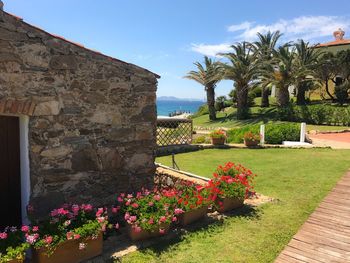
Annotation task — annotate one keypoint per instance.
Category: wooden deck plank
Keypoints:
(325, 236)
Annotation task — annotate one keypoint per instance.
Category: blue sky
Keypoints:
(166, 37)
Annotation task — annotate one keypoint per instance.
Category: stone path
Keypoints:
(325, 236)
(333, 140)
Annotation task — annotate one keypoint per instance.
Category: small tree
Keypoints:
(208, 75)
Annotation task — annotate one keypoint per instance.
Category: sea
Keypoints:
(166, 107)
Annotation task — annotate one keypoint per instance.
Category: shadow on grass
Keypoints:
(212, 223)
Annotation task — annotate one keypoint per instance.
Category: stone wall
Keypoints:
(92, 130)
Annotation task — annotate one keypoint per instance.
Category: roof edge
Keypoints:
(77, 44)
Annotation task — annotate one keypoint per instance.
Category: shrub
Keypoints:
(202, 110)
(341, 92)
(257, 92)
(218, 134)
(274, 133)
(200, 139)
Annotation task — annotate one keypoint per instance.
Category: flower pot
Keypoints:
(218, 141)
(69, 252)
(229, 203)
(146, 234)
(250, 143)
(192, 215)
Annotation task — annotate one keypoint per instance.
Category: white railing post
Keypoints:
(302, 131)
(262, 134)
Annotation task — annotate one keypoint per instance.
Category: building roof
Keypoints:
(339, 39)
(75, 43)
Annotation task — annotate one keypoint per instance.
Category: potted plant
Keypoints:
(230, 186)
(251, 139)
(13, 244)
(148, 214)
(72, 234)
(218, 137)
(192, 202)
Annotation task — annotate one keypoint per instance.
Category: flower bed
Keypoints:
(12, 244)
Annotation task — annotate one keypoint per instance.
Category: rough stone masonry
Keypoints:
(92, 118)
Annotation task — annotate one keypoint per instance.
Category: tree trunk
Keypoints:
(242, 103)
(283, 96)
(301, 94)
(327, 89)
(211, 103)
(265, 97)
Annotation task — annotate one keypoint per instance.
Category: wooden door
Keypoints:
(10, 173)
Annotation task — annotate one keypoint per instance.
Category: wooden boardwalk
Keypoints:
(325, 236)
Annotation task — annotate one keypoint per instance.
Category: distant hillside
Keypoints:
(171, 98)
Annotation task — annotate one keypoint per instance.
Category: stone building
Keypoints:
(75, 125)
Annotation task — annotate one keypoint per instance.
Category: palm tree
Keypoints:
(280, 73)
(242, 69)
(264, 48)
(305, 64)
(207, 75)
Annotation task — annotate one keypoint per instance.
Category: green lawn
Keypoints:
(298, 178)
(228, 119)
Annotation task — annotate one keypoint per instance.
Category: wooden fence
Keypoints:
(174, 131)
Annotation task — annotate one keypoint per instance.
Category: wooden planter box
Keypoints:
(69, 252)
(250, 143)
(16, 261)
(144, 234)
(218, 141)
(229, 203)
(192, 215)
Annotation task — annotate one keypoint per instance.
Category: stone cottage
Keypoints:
(75, 125)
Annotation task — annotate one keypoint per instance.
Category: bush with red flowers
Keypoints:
(148, 210)
(191, 196)
(231, 180)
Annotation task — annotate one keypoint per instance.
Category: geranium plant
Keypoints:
(70, 222)
(13, 243)
(231, 181)
(191, 196)
(148, 210)
(218, 134)
(250, 136)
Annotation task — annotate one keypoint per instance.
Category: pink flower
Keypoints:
(62, 211)
(126, 216)
(116, 226)
(35, 228)
(99, 212)
(151, 221)
(122, 194)
(162, 219)
(82, 246)
(161, 231)
(174, 219)
(48, 239)
(132, 218)
(67, 223)
(156, 197)
(135, 205)
(101, 219)
(69, 235)
(115, 209)
(76, 236)
(129, 196)
(120, 199)
(137, 229)
(25, 229)
(75, 209)
(87, 207)
(3, 235)
(32, 238)
(178, 211)
(150, 203)
(128, 202)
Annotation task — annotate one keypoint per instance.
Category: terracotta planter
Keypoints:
(250, 143)
(144, 234)
(69, 252)
(229, 204)
(16, 261)
(192, 215)
(218, 141)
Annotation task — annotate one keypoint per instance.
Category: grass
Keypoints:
(298, 178)
(227, 119)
